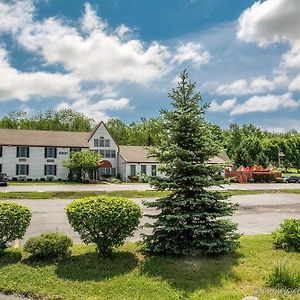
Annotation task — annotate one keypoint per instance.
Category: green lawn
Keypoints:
(126, 193)
(129, 275)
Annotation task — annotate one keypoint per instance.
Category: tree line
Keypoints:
(246, 145)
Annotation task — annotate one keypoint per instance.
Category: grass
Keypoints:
(129, 275)
(125, 193)
(284, 276)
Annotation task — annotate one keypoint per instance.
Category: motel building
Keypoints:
(39, 154)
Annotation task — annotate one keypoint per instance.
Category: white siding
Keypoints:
(126, 169)
(102, 131)
(36, 162)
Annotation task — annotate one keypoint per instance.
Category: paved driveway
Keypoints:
(257, 214)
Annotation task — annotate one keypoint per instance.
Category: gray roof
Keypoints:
(140, 154)
(40, 138)
(136, 154)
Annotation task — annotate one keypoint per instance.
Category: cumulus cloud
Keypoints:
(94, 52)
(23, 85)
(191, 52)
(273, 21)
(266, 103)
(256, 85)
(295, 84)
(225, 106)
(96, 110)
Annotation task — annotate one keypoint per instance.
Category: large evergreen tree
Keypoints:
(191, 219)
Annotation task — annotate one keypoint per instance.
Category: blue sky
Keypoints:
(120, 58)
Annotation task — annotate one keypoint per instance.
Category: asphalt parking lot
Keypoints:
(257, 214)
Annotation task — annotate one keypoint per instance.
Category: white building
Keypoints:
(38, 154)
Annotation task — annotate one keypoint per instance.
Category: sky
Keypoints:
(121, 58)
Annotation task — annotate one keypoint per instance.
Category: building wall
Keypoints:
(102, 132)
(138, 166)
(36, 162)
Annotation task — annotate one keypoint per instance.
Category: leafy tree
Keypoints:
(262, 160)
(253, 147)
(83, 162)
(242, 158)
(63, 120)
(191, 217)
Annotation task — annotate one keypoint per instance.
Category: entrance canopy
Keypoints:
(105, 164)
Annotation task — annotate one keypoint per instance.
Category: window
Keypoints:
(22, 170)
(101, 141)
(96, 143)
(1, 149)
(113, 153)
(75, 149)
(153, 170)
(107, 143)
(108, 171)
(107, 153)
(50, 152)
(22, 151)
(144, 169)
(102, 152)
(132, 170)
(50, 170)
(0, 168)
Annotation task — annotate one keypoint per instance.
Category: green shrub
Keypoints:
(287, 237)
(105, 221)
(284, 277)
(14, 220)
(49, 245)
(115, 180)
(280, 180)
(134, 178)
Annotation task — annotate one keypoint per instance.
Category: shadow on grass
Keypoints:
(89, 266)
(192, 273)
(10, 256)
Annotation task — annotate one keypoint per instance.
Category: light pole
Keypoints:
(280, 156)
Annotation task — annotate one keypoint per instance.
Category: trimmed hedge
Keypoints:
(105, 221)
(287, 237)
(49, 245)
(14, 220)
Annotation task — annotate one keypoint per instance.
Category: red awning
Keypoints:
(105, 164)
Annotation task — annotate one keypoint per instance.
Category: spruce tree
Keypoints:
(191, 219)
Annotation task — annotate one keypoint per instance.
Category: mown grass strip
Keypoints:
(126, 193)
(130, 275)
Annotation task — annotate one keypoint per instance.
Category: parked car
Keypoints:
(292, 179)
(3, 179)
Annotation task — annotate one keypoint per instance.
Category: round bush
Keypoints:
(49, 245)
(105, 221)
(287, 237)
(14, 220)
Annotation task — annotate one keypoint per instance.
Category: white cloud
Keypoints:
(91, 21)
(238, 87)
(266, 103)
(270, 21)
(94, 52)
(191, 52)
(16, 16)
(96, 110)
(256, 85)
(273, 21)
(225, 106)
(23, 85)
(295, 84)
